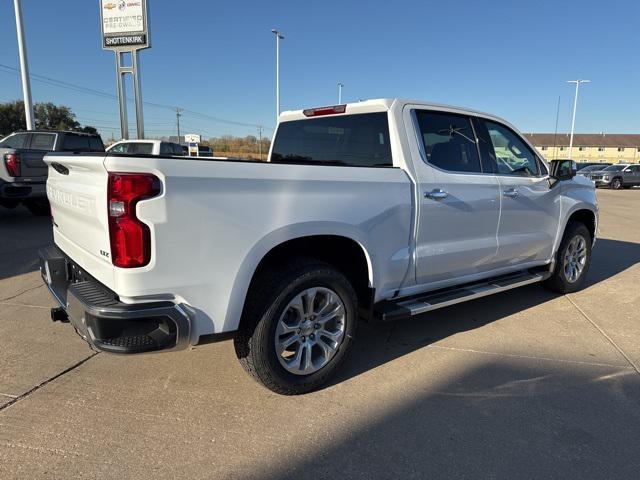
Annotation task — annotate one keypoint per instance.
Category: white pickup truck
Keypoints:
(379, 210)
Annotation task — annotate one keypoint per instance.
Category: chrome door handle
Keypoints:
(436, 194)
(511, 193)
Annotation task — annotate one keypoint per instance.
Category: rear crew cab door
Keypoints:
(459, 204)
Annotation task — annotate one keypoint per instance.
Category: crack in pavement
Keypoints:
(8, 304)
(603, 333)
(22, 293)
(529, 357)
(46, 382)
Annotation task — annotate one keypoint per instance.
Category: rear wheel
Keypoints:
(297, 327)
(573, 259)
(39, 207)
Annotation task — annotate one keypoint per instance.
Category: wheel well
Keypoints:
(586, 217)
(343, 253)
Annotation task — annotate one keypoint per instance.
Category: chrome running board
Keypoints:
(409, 307)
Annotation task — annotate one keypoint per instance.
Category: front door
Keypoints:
(530, 208)
(459, 203)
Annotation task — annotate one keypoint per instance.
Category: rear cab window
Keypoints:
(358, 140)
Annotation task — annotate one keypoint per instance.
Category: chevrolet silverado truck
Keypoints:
(377, 210)
(23, 173)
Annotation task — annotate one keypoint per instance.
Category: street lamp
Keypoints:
(24, 66)
(340, 85)
(575, 104)
(279, 37)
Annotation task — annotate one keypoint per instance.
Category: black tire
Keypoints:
(616, 183)
(558, 282)
(39, 208)
(270, 293)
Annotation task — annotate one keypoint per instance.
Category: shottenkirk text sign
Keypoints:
(124, 24)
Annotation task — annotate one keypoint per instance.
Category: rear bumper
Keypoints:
(23, 190)
(105, 322)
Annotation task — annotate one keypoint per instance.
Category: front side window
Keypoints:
(18, 140)
(513, 156)
(360, 140)
(449, 141)
(43, 141)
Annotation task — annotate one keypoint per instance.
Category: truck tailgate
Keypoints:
(77, 191)
(32, 165)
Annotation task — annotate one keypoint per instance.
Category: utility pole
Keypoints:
(279, 37)
(260, 141)
(24, 66)
(340, 85)
(575, 104)
(178, 115)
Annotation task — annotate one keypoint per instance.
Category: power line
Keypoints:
(90, 91)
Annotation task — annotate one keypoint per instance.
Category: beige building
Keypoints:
(589, 147)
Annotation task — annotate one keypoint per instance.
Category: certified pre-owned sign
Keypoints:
(124, 24)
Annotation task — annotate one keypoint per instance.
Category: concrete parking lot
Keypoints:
(525, 384)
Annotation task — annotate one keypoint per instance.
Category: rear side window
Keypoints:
(76, 143)
(449, 141)
(355, 140)
(43, 141)
(166, 148)
(14, 141)
(96, 145)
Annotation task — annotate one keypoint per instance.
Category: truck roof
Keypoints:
(385, 104)
(40, 130)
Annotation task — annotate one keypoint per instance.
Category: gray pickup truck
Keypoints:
(616, 176)
(23, 173)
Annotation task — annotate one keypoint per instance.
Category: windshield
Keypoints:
(614, 168)
(590, 168)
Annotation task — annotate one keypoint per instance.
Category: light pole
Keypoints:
(340, 85)
(24, 66)
(575, 104)
(279, 37)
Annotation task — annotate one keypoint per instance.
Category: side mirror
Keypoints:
(563, 169)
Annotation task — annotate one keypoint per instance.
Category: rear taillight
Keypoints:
(318, 112)
(12, 162)
(130, 238)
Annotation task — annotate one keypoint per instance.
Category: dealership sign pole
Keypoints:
(125, 29)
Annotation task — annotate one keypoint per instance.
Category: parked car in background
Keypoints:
(23, 173)
(146, 147)
(616, 176)
(382, 209)
(582, 165)
(592, 168)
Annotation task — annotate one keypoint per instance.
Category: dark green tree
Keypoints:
(48, 116)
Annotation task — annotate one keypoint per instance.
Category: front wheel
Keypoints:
(616, 184)
(298, 326)
(572, 261)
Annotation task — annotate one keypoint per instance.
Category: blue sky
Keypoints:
(510, 58)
